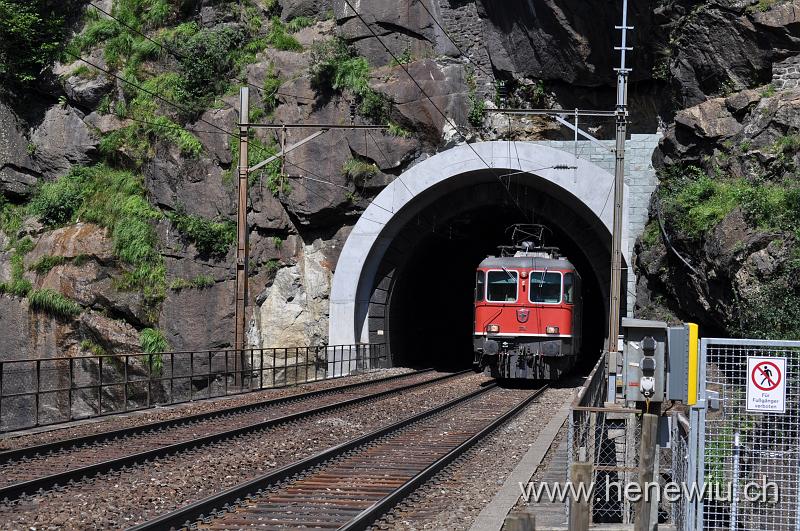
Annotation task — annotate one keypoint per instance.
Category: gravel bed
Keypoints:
(72, 458)
(126, 420)
(455, 496)
(128, 497)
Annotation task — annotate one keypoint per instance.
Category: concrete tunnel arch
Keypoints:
(579, 200)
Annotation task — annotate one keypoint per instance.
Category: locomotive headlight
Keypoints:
(493, 328)
(551, 330)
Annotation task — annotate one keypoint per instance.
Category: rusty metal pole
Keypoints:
(621, 118)
(240, 312)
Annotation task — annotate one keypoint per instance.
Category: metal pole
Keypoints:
(621, 118)
(737, 449)
(241, 232)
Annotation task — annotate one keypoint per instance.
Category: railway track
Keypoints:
(351, 485)
(29, 470)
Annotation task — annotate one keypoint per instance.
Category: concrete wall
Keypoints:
(591, 184)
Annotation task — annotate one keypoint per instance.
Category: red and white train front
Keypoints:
(527, 316)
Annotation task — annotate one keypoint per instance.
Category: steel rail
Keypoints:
(16, 490)
(364, 519)
(205, 509)
(41, 449)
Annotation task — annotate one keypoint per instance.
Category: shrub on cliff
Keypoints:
(31, 33)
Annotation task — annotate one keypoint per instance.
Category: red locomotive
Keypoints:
(527, 310)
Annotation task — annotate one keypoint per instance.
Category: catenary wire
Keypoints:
(430, 100)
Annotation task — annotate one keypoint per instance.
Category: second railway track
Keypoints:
(351, 485)
(27, 470)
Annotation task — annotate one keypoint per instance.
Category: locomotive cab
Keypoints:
(527, 319)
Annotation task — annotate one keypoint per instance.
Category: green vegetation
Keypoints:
(398, 130)
(335, 67)
(477, 107)
(762, 5)
(153, 343)
(90, 346)
(694, 203)
(56, 202)
(277, 241)
(279, 39)
(298, 23)
(774, 312)
(272, 84)
(198, 282)
(46, 263)
(114, 199)
(10, 223)
(768, 91)
(31, 37)
(272, 266)
(359, 170)
(206, 63)
(210, 237)
(651, 235)
(403, 59)
(18, 285)
(53, 303)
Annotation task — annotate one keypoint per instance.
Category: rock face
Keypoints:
(700, 70)
(738, 275)
(295, 306)
(18, 171)
(722, 46)
(61, 140)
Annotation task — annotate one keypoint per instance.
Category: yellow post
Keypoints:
(694, 365)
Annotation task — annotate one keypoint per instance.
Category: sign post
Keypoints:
(766, 385)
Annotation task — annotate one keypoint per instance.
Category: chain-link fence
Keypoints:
(679, 468)
(608, 437)
(749, 442)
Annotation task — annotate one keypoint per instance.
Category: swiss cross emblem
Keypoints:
(522, 315)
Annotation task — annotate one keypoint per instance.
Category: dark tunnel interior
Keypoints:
(430, 308)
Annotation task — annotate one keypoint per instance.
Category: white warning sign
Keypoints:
(766, 385)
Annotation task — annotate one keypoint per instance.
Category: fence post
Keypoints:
(520, 522)
(647, 458)
(38, 387)
(1, 395)
(71, 385)
(580, 473)
(125, 383)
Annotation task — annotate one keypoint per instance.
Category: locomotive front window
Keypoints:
(502, 286)
(480, 285)
(545, 287)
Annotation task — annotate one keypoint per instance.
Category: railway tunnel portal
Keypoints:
(405, 275)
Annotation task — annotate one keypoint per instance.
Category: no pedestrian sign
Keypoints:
(766, 385)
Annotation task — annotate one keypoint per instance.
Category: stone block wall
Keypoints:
(640, 176)
(786, 74)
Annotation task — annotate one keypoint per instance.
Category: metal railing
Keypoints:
(608, 437)
(38, 392)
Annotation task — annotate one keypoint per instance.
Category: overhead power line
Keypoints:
(440, 111)
(146, 91)
(460, 51)
(181, 56)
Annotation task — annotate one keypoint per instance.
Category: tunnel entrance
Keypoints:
(405, 274)
(429, 311)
